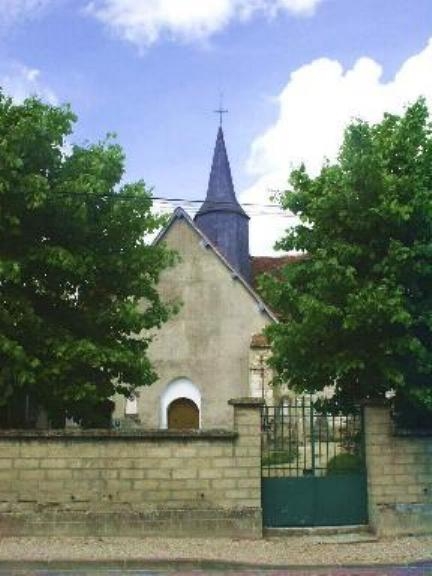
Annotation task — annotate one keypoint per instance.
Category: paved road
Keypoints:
(16, 569)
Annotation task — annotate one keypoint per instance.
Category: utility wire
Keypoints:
(252, 208)
(187, 201)
(125, 196)
(262, 208)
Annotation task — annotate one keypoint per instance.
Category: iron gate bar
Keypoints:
(313, 469)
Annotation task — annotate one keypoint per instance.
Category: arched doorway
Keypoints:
(180, 389)
(183, 414)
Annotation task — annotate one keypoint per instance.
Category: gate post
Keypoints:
(377, 430)
(247, 452)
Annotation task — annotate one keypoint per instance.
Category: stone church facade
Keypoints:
(212, 350)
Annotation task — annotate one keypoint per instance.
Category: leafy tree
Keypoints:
(78, 281)
(356, 311)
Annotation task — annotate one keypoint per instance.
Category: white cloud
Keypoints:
(318, 102)
(19, 81)
(12, 11)
(143, 22)
(298, 6)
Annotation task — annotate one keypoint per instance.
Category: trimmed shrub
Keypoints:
(279, 457)
(343, 463)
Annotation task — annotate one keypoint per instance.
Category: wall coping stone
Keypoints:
(396, 431)
(129, 435)
(247, 402)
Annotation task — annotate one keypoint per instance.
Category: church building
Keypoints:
(212, 350)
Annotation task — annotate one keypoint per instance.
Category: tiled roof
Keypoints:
(259, 341)
(271, 265)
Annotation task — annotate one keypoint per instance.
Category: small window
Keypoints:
(183, 414)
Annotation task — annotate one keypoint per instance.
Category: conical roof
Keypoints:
(220, 192)
(221, 218)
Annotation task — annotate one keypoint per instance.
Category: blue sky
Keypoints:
(293, 73)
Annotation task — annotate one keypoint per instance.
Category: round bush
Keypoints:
(343, 463)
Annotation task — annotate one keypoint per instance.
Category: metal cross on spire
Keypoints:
(221, 111)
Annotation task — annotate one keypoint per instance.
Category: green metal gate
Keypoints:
(313, 469)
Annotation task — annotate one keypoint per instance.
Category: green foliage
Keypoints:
(275, 457)
(410, 416)
(356, 312)
(344, 463)
(77, 277)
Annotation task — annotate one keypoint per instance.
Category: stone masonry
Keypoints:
(399, 471)
(191, 483)
(134, 483)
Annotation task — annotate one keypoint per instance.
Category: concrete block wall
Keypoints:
(134, 483)
(399, 477)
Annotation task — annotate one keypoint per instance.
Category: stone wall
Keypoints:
(399, 476)
(135, 482)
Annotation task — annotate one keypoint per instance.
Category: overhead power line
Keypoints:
(253, 208)
(187, 201)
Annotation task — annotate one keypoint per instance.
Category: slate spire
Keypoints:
(221, 218)
(220, 192)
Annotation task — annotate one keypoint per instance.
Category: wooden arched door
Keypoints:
(183, 414)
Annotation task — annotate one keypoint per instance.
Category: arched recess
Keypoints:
(181, 388)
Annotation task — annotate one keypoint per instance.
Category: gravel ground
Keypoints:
(310, 550)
